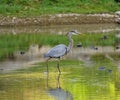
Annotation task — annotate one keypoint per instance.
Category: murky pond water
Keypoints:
(76, 82)
(81, 78)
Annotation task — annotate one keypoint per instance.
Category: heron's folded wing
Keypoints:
(57, 51)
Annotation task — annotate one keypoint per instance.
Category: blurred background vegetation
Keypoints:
(40, 7)
(9, 43)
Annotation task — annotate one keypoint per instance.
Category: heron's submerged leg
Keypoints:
(58, 65)
(58, 81)
(47, 79)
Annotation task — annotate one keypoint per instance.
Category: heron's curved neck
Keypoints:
(70, 43)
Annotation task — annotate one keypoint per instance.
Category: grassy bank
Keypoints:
(10, 43)
(40, 7)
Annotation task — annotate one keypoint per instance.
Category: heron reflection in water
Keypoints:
(60, 50)
(58, 93)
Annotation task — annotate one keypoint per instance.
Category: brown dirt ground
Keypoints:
(59, 19)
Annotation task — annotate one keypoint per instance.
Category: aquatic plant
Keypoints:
(9, 43)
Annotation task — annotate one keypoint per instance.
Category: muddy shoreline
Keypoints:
(59, 19)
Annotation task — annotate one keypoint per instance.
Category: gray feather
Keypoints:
(57, 51)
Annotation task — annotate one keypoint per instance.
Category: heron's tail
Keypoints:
(45, 56)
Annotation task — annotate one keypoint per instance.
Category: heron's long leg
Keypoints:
(58, 65)
(47, 64)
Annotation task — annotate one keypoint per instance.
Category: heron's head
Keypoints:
(73, 32)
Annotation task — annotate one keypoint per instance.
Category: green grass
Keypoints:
(98, 39)
(10, 43)
(40, 7)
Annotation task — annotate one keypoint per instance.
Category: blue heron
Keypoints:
(60, 50)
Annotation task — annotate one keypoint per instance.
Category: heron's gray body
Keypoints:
(57, 51)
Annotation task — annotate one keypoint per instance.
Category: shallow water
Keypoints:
(76, 82)
(84, 80)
